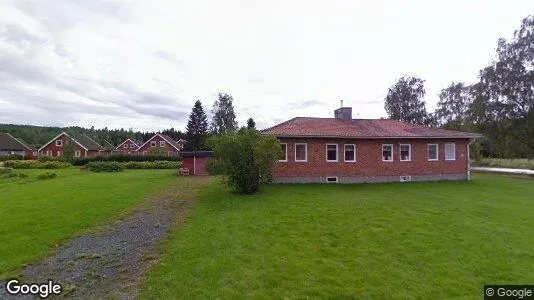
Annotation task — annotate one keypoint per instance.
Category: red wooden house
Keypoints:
(161, 144)
(347, 150)
(128, 146)
(84, 146)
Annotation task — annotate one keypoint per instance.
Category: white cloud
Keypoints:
(142, 64)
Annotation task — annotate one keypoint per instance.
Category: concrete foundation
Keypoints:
(371, 179)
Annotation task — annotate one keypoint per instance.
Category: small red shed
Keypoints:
(195, 161)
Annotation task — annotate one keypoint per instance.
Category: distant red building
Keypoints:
(84, 146)
(128, 146)
(161, 144)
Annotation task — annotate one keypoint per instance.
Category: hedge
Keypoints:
(124, 158)
(35, 164)
(105, 166)
(11, 157)
(47, 175)
(162, 164)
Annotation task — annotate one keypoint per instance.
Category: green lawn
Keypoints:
(416, 240)
(36, 215)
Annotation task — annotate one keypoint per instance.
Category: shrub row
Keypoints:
(124, 158)
(35, 164)
(105, 166)
(162, 164)
(11, 157)
(46, 175)
(113, 166)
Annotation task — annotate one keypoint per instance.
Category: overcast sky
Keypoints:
(143, 64)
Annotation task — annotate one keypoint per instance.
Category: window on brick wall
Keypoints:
(153, 144)
(125, 146)
(450, 151)
(301, 150)
(331, 152)
(405, 152)
(387, 152)
(350, 153)
(433, 152)
(77, 153)
(283, 157)
(162, 143)
(59, 143)
(132, 146)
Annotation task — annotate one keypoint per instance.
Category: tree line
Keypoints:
(500, 105)
(197, 131)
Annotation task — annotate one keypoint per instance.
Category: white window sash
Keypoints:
(409, 152)
(305, 152)
(345, 152)
(390, 150)
(437, 152)
(285, 155)
(337, 153)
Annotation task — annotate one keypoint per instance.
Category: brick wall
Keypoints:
(369, 159)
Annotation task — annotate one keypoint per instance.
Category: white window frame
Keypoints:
(409, 152)
(153, 144)
(132, 146)
(58, 153)
(337, 152)
(382, 152)
(77, 153)
(161, 144)
(284, 160)
(305, 152)
(60, 144)
(453, 152)
(345, 152)
(48, 152)
(125, 146)
(34, 153)
(428, 152)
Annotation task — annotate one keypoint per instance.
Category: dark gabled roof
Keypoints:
(107, 145)
(196, 153)
(11, 143)
(169, 140)
(88, 142)
(359, 128)
(26, 144)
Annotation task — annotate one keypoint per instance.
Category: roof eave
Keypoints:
(373, 137)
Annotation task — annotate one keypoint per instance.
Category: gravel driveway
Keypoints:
(109, 263)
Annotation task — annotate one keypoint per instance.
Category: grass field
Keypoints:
(36, 215)
(398, 241)
(517, 163)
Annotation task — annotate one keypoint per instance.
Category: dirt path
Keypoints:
(111, 262)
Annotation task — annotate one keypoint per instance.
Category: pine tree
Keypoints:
(197, 128)
(251, 124)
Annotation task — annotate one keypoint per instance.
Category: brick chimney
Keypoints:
(343, 113)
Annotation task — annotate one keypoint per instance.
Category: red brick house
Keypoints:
(161, 144)
(10, 145)
(128, 146)
(347, 150)
(84, 146)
